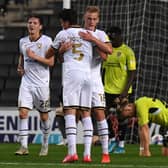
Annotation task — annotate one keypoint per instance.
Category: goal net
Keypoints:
(145, 30)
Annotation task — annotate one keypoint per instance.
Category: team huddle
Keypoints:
(82, 51)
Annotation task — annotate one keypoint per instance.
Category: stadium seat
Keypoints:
(13, 72)
(51, 31)
(12, 83)
(16, 59)
(6, 59)
(8, 46)
(1, 84)
(13, 33)
(9, 97)
(4, 71)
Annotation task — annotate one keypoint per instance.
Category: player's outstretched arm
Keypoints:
(144, 138)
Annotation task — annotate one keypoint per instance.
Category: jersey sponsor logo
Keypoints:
(113, 64)
(29, 60)
(76, 39)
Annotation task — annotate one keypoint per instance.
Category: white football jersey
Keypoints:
(36, 73)
(96, 63)
(80, 56)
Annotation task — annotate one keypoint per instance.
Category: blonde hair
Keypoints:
(93, 9)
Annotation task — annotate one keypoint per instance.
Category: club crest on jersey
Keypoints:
(118, 54)
(39, 45)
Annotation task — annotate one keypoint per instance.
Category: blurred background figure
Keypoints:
(61, 123)
(3, 7)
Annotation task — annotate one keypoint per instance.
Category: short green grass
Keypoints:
(56, 154)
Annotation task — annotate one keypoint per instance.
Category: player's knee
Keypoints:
(23, 113)
(100, 115)
(44, 116)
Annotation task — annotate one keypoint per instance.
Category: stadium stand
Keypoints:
(1, 84)
(3, 7)
(4, 69)
(9, 97)
(13, 72)
(12, 84)
(6, 59)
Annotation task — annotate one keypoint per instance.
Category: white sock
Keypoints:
(45, 128)
(121, 144)
(23, 132)
(113, 139)
(70, 126)
(88, 134)
(103, 134)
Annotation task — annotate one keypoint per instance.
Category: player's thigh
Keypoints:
(98, 105)
(98, 99)
(41, 98)
(25, 98)
(72, 84)
(86, 92)
(71, 95)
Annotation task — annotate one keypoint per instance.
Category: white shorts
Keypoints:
(98, 100)
(98, 96)
(77, 90)
(37, 97)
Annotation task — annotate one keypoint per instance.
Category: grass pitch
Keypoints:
(56, 154)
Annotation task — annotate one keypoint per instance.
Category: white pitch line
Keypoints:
(81, 165)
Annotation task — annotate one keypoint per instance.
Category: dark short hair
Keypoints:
(69, 15)
(114, 31)
(36, 16)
